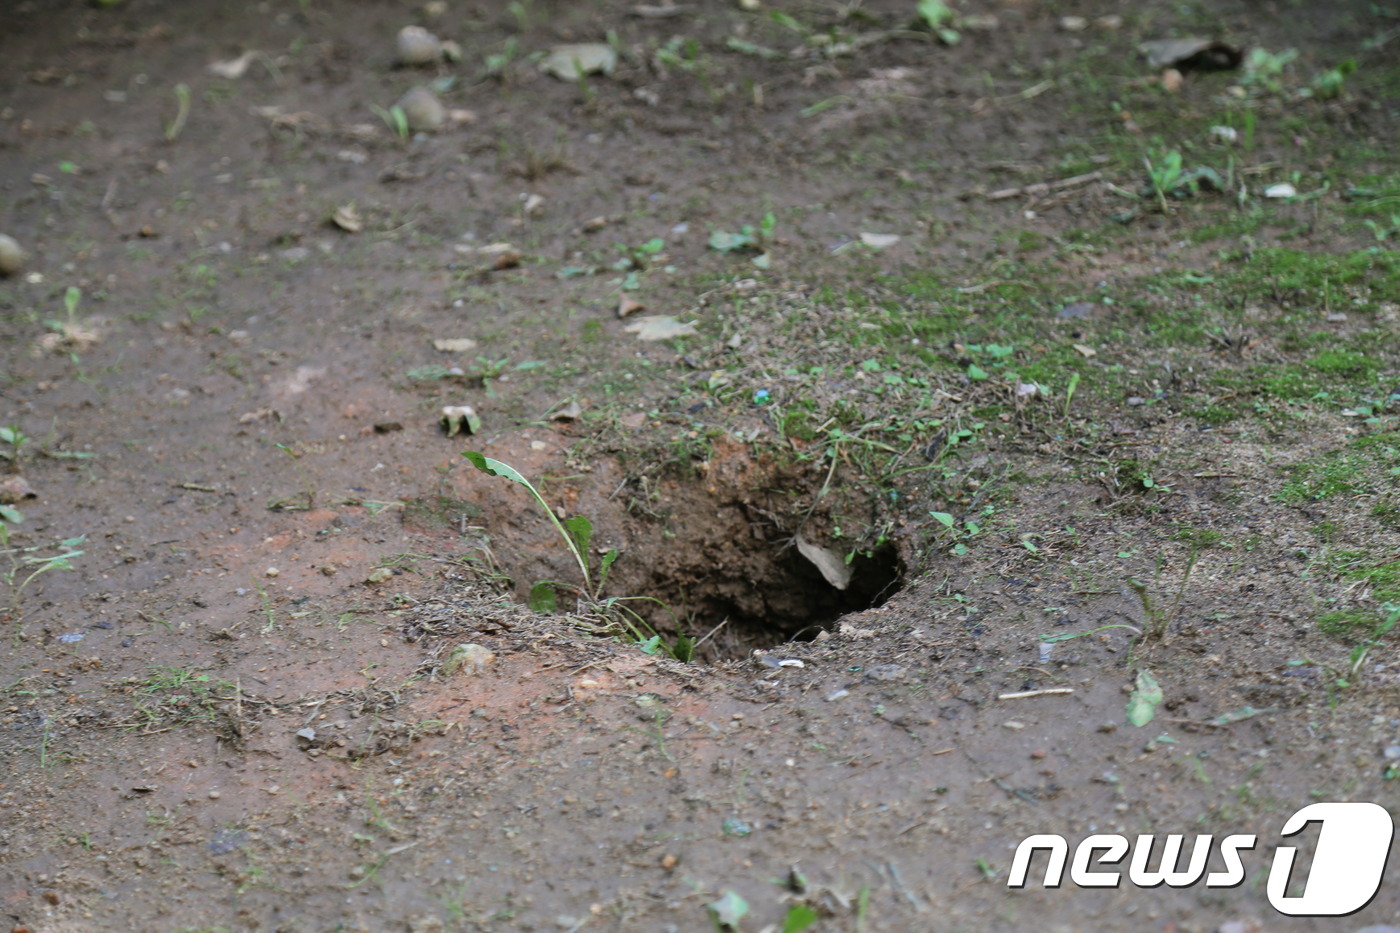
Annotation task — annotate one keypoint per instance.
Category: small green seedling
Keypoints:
(1361, 652)
(72, 297)
(1069, 391)
(1167, 177)
(16, 438)
(939, 18)
(394, 118)
(1329, 84)
(638, 257)
(969, 529)
(1264, 69)
(495, 64)
(24, 564)
(747, 239)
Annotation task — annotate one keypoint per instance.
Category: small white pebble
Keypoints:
(273, 571)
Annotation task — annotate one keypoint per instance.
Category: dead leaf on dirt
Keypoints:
(660, 327)
(852, 631)
(467, 660)
(460, 419)
(1086, 352)
(302, 378)
(650, 11)
(300, 120)
(1191, 54)
(1077, 309)
(234, 68)
(569, 412)
(879, 92)
(502, 255)
(70, 338)
(262, 414)
(347, 218)
(880, 240)
(15, 488)
(455, 344)
(832, 565)
(628, 306)
(571, 62)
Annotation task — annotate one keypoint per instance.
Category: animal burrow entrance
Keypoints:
(715, 539)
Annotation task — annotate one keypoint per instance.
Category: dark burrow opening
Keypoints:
(775, 596)
(727, 554)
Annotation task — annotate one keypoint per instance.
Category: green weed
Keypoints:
(24, 564)
(748, 239)
(577, 535)
(394, 118)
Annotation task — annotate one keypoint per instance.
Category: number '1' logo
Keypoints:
(1346, 870)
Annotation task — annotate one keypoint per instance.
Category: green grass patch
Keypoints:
(1348, 623)
(1356, 281)
(1367, 465)
(1198, 537)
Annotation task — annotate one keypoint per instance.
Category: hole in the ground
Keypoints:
(762, 592)
(715, 542)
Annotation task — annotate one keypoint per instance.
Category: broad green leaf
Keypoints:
(976, 372)
(1146, 697)
(799, 917)
(581, 530)
(934, 13)
(729, 909)
(542, 597)
(944, 519)
(496, 468)
(608, 559)
(684, 650)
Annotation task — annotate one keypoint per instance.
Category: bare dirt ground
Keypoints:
(1069, 435)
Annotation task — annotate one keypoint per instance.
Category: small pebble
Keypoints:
(1392, 751)
(214, 795)
(417, 46)
(422, 110)
(11, 256)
